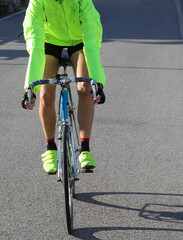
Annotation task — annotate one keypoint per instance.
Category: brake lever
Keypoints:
(94, 88)
(30, 94)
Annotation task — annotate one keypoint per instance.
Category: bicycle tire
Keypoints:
(68, 178)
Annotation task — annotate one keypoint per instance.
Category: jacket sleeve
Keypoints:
(92, 38)
(34, 34)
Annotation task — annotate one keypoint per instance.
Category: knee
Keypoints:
(47, 100)
(84, 89)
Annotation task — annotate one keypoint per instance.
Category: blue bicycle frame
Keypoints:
(66, 102)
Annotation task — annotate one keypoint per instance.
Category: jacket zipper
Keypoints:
(67, 28)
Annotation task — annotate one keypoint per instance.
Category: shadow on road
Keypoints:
(12, 54)
(139, 19)
(88, 233)
(153, 211)
(10, 29)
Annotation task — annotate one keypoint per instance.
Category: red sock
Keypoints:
(50, 140)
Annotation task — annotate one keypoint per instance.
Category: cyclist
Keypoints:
(50, 26)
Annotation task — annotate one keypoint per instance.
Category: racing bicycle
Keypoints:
(68, 137)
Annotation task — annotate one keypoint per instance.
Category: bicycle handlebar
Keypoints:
(62, 82)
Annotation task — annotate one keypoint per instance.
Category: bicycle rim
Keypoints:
(68, 178)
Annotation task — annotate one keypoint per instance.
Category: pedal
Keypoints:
(88, 170)
(76, 179)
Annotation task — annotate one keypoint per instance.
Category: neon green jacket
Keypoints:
(63, 23)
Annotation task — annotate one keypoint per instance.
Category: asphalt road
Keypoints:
(136, 191)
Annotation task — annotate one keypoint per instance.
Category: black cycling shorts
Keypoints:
(56, 51)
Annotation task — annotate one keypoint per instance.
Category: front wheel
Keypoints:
(68, 179)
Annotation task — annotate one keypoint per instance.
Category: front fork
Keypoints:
(73, 154)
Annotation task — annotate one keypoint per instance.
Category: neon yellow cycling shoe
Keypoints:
(49, 158)
(86, 160)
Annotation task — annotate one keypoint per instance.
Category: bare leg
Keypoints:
(47, 98)
(85, 104)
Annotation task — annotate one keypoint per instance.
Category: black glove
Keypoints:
(25, 98)
(101, 93)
